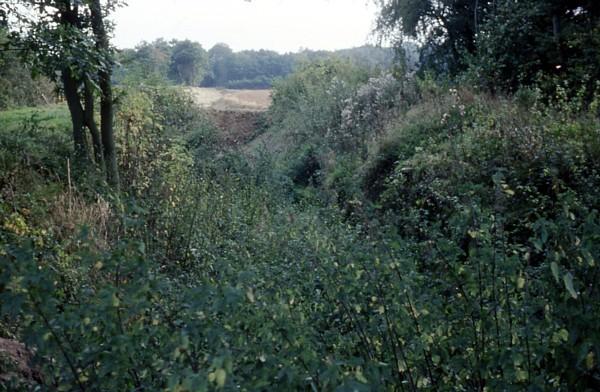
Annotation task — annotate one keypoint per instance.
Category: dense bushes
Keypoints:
(463, 255)
(492, 194)
(382, 234)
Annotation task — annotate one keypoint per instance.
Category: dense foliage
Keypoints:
(558, 45)
(458, 250)
(504, 43)
(382, 232)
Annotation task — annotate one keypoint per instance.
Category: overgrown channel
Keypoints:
(372, 230)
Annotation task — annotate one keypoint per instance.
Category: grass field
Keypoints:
(51, 116)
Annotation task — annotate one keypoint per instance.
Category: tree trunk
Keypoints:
(77, 116)
(107, 129)
(556, 31)
(90, 122)
(106, 102)
(68, 17)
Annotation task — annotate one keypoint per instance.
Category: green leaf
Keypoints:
(568, 279)
(555, 271)
(563, 335)
(115, 301)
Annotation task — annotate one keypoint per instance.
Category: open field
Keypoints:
(49, 116)
(231, 100)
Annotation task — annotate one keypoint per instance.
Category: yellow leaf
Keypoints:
(220, 377)
(115, 301)
(361, 377)
(250, 295)
(590, 362)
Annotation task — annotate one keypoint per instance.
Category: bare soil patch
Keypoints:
(15, 362)
(236, 127)
(231, 100)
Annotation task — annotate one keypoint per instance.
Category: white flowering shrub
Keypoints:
(365, 114)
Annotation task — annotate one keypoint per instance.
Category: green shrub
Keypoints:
(460, 254)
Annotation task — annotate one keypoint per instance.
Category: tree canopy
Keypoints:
(188, 62)
(507, 43)
(68, 41)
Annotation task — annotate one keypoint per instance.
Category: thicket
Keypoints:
(489, 199)
(383, 233)
(454, 250)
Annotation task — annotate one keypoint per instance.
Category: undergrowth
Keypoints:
(455, 249)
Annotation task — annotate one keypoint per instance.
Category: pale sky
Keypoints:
(281, 25)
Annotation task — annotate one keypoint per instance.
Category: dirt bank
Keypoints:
(237, 127)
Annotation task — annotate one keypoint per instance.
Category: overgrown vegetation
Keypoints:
(17, 86)
(381, 233)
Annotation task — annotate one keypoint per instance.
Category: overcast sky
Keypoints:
(281, 25)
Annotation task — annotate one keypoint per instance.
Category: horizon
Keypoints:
(282, 26)
(300, 50)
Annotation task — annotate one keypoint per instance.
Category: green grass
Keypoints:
(34, 142)
(51, 116)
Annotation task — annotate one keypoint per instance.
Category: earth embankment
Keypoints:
(238, 114)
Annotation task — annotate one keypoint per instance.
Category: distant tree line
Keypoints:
(188, 63)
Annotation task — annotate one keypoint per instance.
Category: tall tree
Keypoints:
(188, 62)
(106, 94)
(507, 43)
(68, 41)
(525, 40)
(221, 59)
(447, 28)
